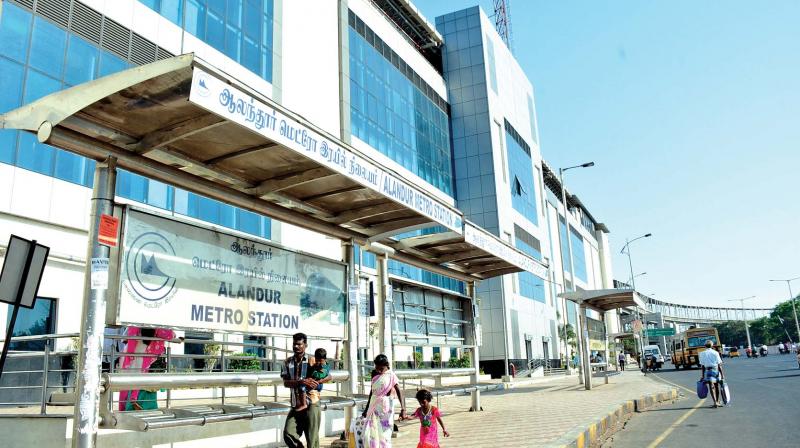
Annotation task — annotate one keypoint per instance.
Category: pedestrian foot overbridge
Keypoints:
(688, 314)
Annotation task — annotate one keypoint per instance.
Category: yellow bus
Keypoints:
(686, 346)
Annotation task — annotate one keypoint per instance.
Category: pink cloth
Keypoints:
(428, 435)
(141, 364)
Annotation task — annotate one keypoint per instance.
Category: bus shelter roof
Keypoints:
(191, 125)
(605, 299)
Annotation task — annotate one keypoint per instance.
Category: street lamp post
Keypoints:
(744, 318)
(578, 332)
(627, 249)
(791, 299)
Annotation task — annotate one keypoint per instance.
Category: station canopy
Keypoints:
(188, 124)
(603, 300)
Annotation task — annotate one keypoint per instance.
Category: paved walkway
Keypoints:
(532, 415)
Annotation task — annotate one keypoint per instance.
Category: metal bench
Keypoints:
(201, 414)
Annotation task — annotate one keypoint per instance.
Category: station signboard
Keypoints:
(184, 276)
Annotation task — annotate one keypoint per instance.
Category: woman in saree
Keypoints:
(148, 350)
(379, 415)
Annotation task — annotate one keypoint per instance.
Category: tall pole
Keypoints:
(744, 318)
(86, 414)
(791, 299)
(351, 344)
(627, 249)
(578, 329)
(563, 269)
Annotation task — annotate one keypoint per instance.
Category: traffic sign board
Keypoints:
(660, 331)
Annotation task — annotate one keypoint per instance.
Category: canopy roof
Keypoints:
(183, 122)
(605, 299)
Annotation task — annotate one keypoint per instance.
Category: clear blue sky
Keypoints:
(691, 111)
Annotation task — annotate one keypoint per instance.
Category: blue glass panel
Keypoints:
(83, 59)
(195, 21)
(33, 155)
(234, 13)
(159, 194)
(38, 85)
(11, 76)
(110, 63)
(523, 184)
(562, 237)
(70, 167)
(152, 4)
(395, 117)
(227, 215)
(8, 145)
(530, 286)
(248, 222)
(39, 320)
(215, 31)
(172, 10)
(578, 255)
(47, 47)
(132, 186)
(233, 42)
(15, 26)
(252, 18)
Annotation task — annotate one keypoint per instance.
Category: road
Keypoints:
(764, 410)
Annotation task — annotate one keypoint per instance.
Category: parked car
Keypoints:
(654, 352)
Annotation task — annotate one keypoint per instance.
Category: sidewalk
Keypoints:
(538, 414)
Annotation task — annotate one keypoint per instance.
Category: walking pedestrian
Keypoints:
(303, 418)
(430, 418)
(711, 364)
(379, 415)
(621, 361)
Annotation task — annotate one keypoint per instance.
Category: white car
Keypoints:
(655, 352)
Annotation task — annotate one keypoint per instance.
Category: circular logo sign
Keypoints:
(147, 257)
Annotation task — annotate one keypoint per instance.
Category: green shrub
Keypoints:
(244, 364)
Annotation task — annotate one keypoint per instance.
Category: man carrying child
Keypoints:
(304, 376)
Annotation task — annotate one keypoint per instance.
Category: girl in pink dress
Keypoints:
(430, 419)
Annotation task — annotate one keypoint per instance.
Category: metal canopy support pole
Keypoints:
(384, 311)
(475, 356)
(86, 418)
(587, 368)
(351, 344)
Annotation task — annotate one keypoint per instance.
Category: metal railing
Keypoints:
(28, 383)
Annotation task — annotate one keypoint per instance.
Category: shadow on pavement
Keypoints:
(775, 377)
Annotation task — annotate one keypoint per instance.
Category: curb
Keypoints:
(589, 435)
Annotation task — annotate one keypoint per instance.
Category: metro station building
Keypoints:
(442, 105)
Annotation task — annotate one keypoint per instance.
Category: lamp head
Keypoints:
(648, 235)
(587, 164)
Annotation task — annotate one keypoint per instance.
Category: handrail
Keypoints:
(433, 373)
(125, 381)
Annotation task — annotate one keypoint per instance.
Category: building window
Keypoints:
(241, 29)
(520, 171)
(530, 285)
(395, 111)
(29, 75)
(39, 320)
(491, 66)
(578, 255)
(562, 238)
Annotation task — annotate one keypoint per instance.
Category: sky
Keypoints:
(691, 113)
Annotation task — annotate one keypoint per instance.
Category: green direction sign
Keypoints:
(660, 331)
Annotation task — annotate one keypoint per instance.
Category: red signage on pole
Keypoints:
(109, 229)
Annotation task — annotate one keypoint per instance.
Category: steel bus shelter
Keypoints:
(186, 123)
(602, 301)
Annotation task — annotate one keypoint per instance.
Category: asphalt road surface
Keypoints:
(764, 411)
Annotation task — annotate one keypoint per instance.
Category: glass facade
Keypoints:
(41, 319)
(39, 58)
(520, 175)
(530, 285)
(578, 255)
(427, 317)
(562, 238)
(395, 111)
(241, 29)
